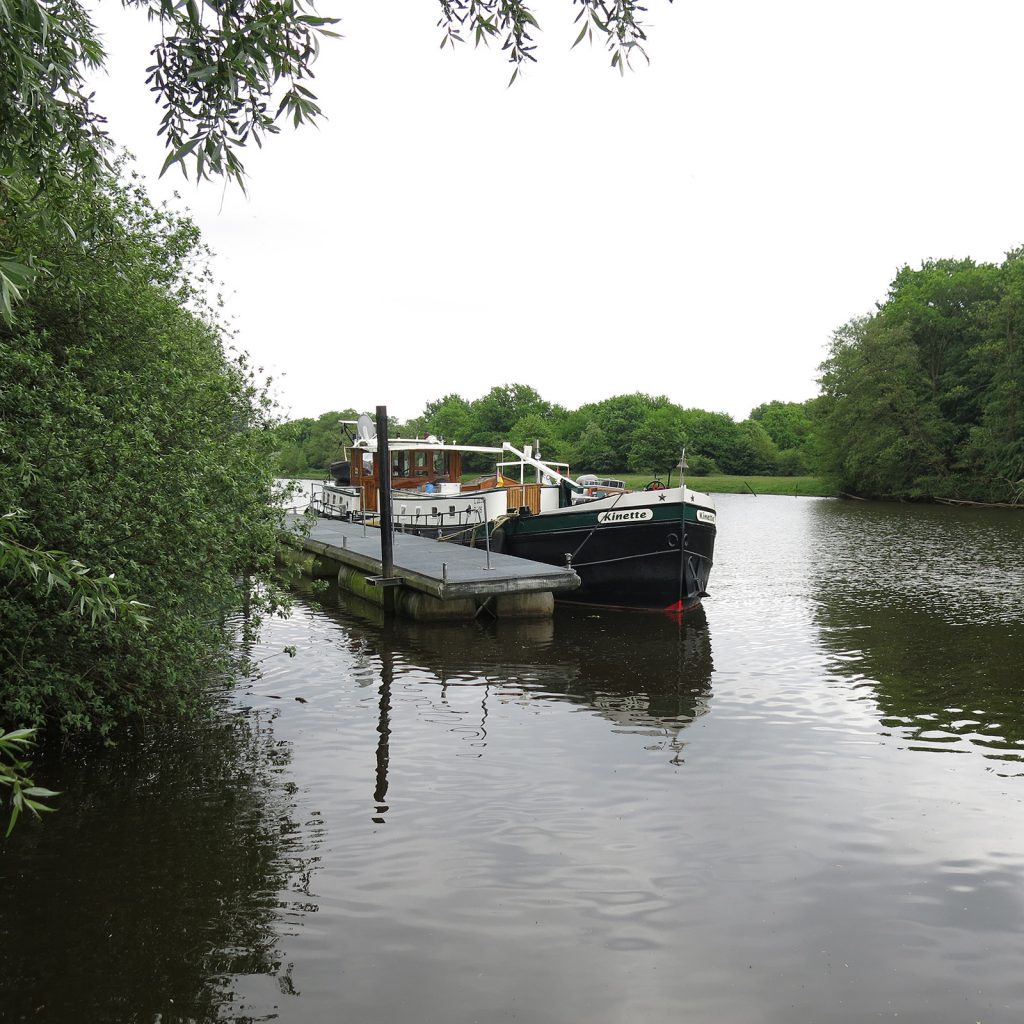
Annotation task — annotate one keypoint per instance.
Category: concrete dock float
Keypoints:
(433, 579)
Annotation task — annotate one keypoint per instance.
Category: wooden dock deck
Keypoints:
(454, 580)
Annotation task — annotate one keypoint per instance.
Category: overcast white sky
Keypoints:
(697, 229)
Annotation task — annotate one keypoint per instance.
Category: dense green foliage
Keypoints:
(638, 432)
(47, 130)
(131, 443)
(791, 428)
(925, 399)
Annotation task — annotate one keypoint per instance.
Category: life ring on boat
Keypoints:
(655, 485)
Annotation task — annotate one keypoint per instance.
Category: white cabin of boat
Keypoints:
(427, 487)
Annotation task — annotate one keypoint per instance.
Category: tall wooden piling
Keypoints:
(387, 537)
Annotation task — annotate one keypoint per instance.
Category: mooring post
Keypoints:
(387, 540)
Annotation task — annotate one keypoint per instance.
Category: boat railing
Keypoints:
(471, 518)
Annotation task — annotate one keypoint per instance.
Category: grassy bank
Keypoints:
(802, 486)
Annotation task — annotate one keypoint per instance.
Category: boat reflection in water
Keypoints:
(649, 676)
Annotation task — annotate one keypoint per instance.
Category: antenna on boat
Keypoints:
(347, 435)
(682, 465)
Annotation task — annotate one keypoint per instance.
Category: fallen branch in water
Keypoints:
(981, 504)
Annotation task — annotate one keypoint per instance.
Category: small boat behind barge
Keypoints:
(647, 549)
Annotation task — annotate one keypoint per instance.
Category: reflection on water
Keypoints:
(590, 819)
(647, 674)
(962, 567)
(169, 875)
(925, 606)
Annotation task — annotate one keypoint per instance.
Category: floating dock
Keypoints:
(433, 580)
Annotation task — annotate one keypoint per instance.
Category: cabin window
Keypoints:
(421, 463)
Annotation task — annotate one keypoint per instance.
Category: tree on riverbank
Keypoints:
(925, 399)
(790, 426)
(132, 440)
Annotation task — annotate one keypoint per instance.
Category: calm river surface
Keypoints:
(803, 804)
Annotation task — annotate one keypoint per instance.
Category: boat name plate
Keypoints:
(625, 515)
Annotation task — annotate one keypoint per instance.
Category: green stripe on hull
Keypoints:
(588, 520)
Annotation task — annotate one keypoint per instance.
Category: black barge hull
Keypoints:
(662, 565)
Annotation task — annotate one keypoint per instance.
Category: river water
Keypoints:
(801, 804)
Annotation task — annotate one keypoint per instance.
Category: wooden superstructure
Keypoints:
(433, 469)
(411, 469)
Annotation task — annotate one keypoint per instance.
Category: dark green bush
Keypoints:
(132, 440)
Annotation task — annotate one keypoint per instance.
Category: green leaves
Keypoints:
(48, 130)
(508, 20)
(217, 73)
(92, 596)
(178, 155)
(224, 74)
(25, 795)
(14, 276)
(217, 70)
(618, 23)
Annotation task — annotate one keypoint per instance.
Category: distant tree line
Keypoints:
(640, 433)
(923, 399)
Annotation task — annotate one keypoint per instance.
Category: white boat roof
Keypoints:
(398, 444)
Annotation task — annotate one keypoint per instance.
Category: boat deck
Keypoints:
(445, 570)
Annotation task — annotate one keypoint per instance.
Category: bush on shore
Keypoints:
(134, 444)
